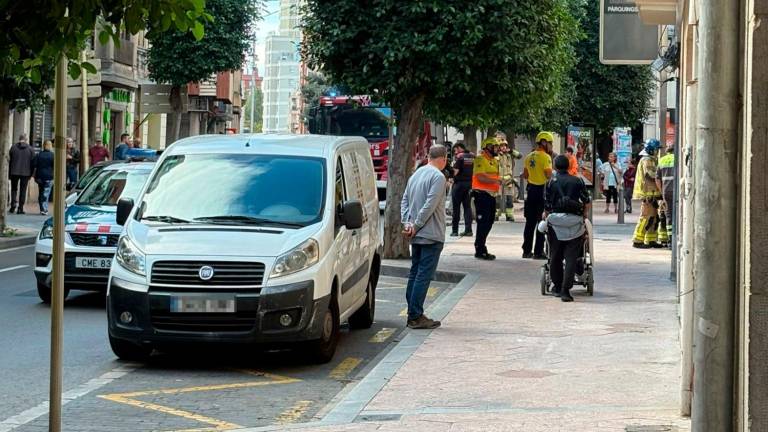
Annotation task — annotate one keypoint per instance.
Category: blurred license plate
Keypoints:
(196, 304)
(93, 263)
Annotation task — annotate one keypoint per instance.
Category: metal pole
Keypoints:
(84, 162)
(715, 216)
(675, 205)
(57, 287)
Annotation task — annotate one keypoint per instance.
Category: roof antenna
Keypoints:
(247, 143)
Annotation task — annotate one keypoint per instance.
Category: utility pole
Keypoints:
(84, 162)
(715, 216)
(57, 287)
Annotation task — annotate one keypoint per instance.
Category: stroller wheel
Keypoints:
(590, 282)
(544, 280)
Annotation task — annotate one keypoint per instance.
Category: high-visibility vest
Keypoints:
(489, 166)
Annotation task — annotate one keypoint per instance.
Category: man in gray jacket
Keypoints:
(423, 218)
(20, 170)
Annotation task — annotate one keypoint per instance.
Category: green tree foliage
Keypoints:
(177, 57)
(429, 55)
(34, 34)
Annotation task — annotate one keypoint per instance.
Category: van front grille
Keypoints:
(225, 273)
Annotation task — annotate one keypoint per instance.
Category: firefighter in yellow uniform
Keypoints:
(485, 189)
(506, 159)
(646, 231)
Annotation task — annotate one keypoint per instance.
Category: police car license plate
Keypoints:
(93, 263)
(200, 304)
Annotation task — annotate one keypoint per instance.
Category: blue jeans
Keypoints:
(44, 193)
(424, 259)
(71, 176)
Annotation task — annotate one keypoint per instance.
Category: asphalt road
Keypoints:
(200, 389)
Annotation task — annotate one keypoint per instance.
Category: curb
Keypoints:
(13, 242)
(351, 406)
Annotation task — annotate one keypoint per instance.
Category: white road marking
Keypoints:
(18, 267)
(31, 414)
(16, 248)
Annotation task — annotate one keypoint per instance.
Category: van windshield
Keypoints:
(237, 189)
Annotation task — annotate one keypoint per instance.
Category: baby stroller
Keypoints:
(584, 269)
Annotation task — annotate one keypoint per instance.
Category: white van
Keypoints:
(248, 239)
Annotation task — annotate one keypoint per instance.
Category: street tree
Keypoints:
(420, 55)
(34, 34)
(177, 57)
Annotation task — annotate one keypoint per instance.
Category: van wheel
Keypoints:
(126, 350)
(363, 317)
(322, 350)
(44, 292)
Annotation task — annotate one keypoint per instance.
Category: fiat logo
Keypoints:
(206, 273)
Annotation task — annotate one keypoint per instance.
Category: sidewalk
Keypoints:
(509, 359)
(27, 227)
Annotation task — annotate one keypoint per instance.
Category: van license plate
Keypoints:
(195, 304)
(93, 263)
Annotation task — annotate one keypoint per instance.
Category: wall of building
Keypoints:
(281, 79)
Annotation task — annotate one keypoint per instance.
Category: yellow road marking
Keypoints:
(344, 368)
(382, 335)
(294, 413)
(219, 425)
(404, 312)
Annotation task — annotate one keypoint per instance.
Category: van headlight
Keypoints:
(46, 232)
(299, 258)
(130, 257)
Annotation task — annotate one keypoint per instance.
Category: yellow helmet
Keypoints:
(547, 136)
(490, 141)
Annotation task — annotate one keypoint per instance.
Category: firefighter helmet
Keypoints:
(546, 136)
(652, 146)
(490, 141)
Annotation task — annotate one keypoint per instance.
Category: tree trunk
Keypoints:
(470, 139)
(176, 105)
(5, 148)
(401, 165)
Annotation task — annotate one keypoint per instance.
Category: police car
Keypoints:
(91, 230)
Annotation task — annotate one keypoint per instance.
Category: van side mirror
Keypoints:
(124, 207)
(352, 215)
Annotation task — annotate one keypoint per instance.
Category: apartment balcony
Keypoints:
(117, 64)
(661, 12)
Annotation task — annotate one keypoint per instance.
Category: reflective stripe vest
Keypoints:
(489, 166)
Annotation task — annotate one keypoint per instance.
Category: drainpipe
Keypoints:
(715, 216)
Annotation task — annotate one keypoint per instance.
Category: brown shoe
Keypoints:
(423, 323)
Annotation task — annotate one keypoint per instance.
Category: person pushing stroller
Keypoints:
(566, 204)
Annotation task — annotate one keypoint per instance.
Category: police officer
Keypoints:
(567, 203)
(485, 188)
(537, 170)
(462, 187)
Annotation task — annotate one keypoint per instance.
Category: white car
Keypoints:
(248, 239)
(91, 230)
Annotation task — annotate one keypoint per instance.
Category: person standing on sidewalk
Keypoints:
(44, 176)
(98, 153)
(537, 170)
(573, 163)
(423, 217)
(485, 188)
(629, 185)
(665, 181)
(611, 172)
(121, 151)
(73, 163)
(20, 166)
(646, 235)
(460, 192)
(566, 205)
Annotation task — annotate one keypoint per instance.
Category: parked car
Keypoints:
(248, 239)
(91, 230)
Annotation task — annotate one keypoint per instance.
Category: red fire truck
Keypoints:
(357, 116)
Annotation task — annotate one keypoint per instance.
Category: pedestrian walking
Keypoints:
(646, 231)
(43, 173)
(121, 151)
(73, 163)
(567, 203)
(98, 153)
(665, 181)
(610, 172)
(629, 185)
(485, 188)
(20, 164)
(423, 218)
(537, 171)
(460, 192)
